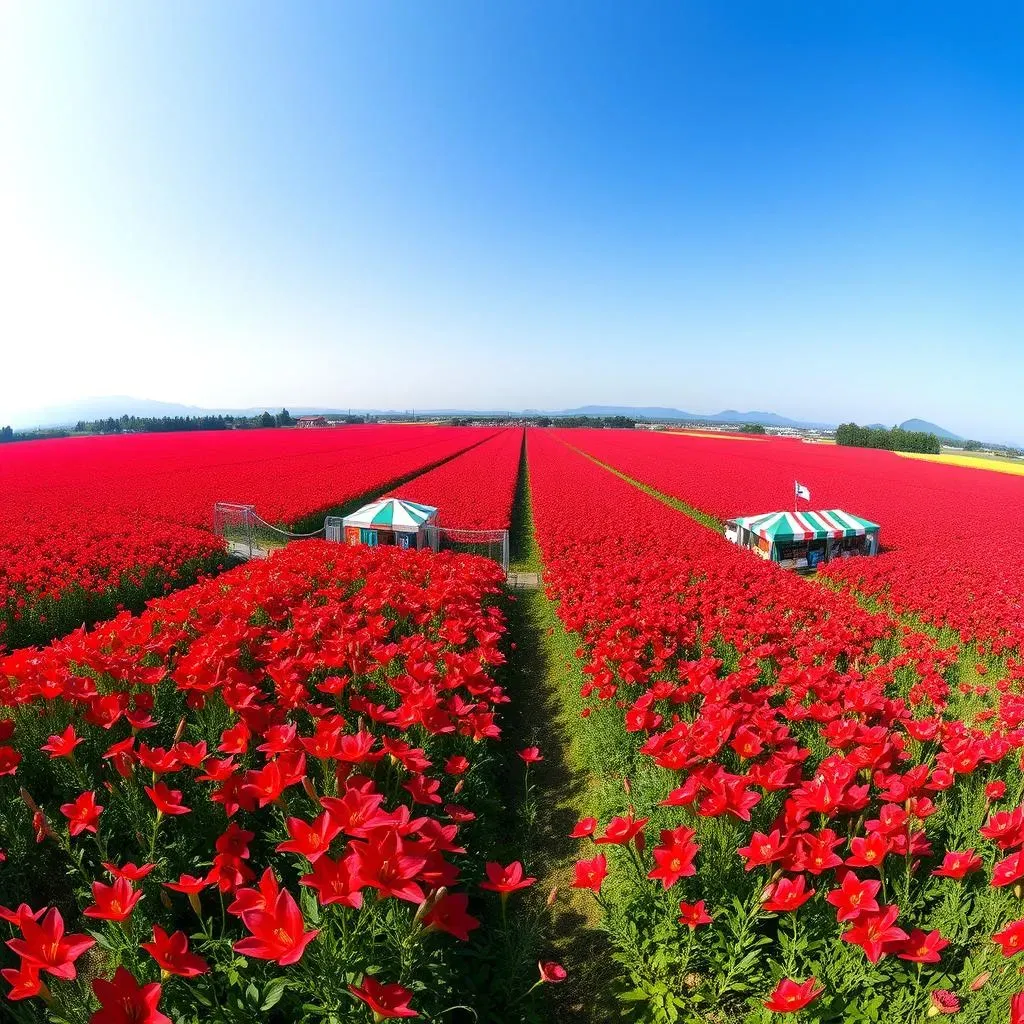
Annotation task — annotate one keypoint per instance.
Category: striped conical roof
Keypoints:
(797, 526)
(392, 513)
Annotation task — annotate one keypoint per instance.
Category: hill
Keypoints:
(930, 428)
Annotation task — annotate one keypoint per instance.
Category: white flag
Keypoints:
(802, 492)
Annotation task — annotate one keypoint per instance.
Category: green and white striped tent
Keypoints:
(392, 514)
(792, 527)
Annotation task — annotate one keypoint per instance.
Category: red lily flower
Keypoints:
(673, 859)
(622, 830)
(310, 839)
(957, 865)
(923, 947)
(166, 800)
(855, 896)
(62, 745)
(124, 1001)
(172, 954)
(505, 879)
(45, 946)
(589, 874)
(1011, 938)
(278, 933)
(790, 996)
(386, 1001)
(113, 902)
(694, 914)
(786, 894)
(83, 814)
(873, 932)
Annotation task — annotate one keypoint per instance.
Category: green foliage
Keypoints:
(895, 440)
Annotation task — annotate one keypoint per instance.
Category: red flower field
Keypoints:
(951, 533)
(818, 778)
(91, 524)
(208, 803)
(475, 490)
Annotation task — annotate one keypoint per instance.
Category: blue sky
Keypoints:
(814, 208)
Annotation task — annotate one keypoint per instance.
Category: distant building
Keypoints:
(312, 421)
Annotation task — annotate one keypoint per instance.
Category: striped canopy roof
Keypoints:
(797, 526)
(392, 513)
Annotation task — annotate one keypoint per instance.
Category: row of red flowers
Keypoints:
(254, 799)
(814, 808)
(474, 491)
(88, 524)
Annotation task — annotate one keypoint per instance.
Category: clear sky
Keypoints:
(815, 208)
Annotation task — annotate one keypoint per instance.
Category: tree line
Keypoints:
(895, 440)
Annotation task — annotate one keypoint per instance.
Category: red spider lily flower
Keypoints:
(1009, 870)
(234, 841)
(874, 931)
(1011, 938)
(762, 849)
(790, 996)
(24, 981)
(505, 879)
(124, 1001)
(923, 947)
(386, 1001)
(531, 755)
(45, 946)
(868, 851)
(456, 765)
(83, 814)
(817, 852)
(1017, 1009)
(113, 902)
(335, 881)
(188, 884)
(263, 897)
(423, 789)
(1005, 829)
(551, 971)
(583, 828)
(15, 917)
(391, 864)
(589, 874)
(62, 745)
(9, 760)
(310, 839)
(448, 914)
(943, 1001)
(855, 896)
(172, 954)
(673, 859)
(133, 872)
(786, 894)
(166, 800)
(694, 914)
(622, 830)
(957, 865)
(277, 933)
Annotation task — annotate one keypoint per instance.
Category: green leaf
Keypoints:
(273, 992)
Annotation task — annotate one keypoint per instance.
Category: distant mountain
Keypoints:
(767, 419)
(930, 428)
(69, 413)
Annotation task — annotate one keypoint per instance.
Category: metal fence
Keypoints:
(247, 535)
(489, 543)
